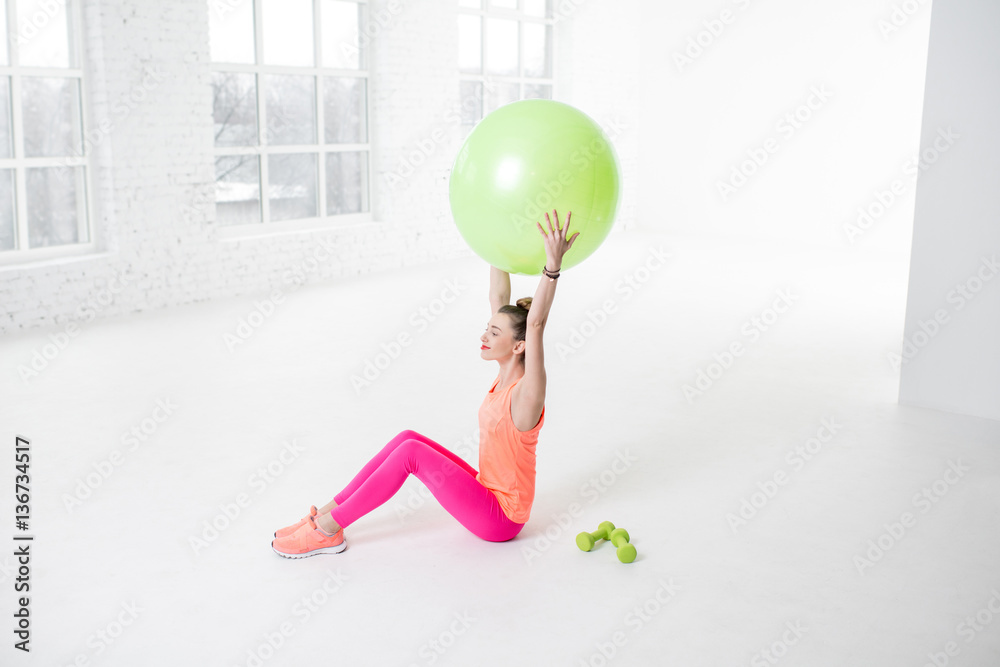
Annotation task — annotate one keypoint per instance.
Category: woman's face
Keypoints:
(498, 340)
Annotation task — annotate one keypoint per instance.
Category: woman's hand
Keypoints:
(556, 243)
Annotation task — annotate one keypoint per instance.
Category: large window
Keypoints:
(290, 91)
(43, 157)
(504, 53)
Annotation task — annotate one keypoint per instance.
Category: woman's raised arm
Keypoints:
(526, 405)
(499, 289)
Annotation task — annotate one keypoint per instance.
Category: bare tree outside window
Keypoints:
(291, 135)
(44, 172)
(504, 54)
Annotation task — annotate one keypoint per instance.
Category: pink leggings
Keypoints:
(450, 479)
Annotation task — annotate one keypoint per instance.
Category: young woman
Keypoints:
(493, 503)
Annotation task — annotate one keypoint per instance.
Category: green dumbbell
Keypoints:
(619, 538)
(586, 540)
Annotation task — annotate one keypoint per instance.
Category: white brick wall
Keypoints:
(153, 171)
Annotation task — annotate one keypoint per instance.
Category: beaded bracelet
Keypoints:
(552, 275)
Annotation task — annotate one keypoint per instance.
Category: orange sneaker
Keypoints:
(282, 532)
(309, 540)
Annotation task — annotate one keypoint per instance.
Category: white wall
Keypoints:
(727, 103)
(154, 177)
(600, 71)
(951, 353)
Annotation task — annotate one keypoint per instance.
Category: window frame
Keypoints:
(263, 150)
(484, 78)
(19, 163)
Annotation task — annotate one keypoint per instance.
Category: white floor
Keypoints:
(116, 579)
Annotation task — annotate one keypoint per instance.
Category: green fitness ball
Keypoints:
(523, 160)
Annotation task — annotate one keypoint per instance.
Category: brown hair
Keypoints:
(518, 314)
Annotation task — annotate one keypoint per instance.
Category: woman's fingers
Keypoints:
(562, 229)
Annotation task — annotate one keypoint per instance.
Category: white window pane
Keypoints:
(501, 46)
(5, 135)
(346, 182)
(288, 32)
(291, 109)
(55, 199)
(234, 97)
(474, 4)
(291, 193)
(344, 110)
(470, 43)
(4, 55)
(51, 111)
(8, 238)
(536, 49)
(237, 190)
(43, 36)
(342, 25)
(537, 92)
(537, 8)
(499, 94)
(230, 30)
(471, 102)
(503, 4)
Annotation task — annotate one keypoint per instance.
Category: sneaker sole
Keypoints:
(315, 552)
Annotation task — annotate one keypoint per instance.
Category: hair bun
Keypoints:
(524, 303)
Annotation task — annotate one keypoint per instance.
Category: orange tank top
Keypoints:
(506, 455)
